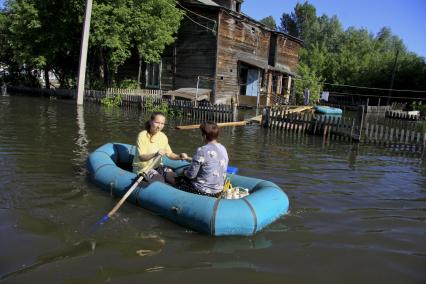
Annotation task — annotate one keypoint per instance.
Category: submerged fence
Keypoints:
(190, 109)
(351, 129)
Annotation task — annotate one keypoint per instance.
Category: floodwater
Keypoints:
(357, 213)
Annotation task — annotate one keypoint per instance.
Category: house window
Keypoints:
(238, 7)
(272, 49)
(153, 75)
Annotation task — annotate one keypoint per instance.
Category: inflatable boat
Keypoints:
(109, 167)
(328, 110)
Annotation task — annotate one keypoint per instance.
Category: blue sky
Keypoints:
(407, 19)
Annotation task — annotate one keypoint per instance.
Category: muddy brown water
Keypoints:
(357, 212)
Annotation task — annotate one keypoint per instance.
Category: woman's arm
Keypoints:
(195, 166)
(181, 156)
(147, 157)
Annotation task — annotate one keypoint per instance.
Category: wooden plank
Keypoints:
(223, 124)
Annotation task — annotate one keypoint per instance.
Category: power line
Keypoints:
(366, 88)
(198, 15)
(371, 96)
(372, 88)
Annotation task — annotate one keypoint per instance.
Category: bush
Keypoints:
(310, 81)
(128, 84)
(112, 101)
(421, 126)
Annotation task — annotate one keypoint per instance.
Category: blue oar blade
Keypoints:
(232, 170)
(103, 220)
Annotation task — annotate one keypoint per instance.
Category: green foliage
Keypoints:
(96, 84)
(420, 126)
(154, 24)
(42, 34)
(420, 107)
(163, 108)
(128, 84)
(112, 101)
(354, 56)
(310, 81)
(269, 22)
(46, 34)
(120, 26)
(151, 107)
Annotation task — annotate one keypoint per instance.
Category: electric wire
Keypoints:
(366, 88)
(198, 15)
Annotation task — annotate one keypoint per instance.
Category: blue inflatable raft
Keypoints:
(328, 110)
(110, 168)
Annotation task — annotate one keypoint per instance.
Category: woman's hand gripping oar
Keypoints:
(154, 164)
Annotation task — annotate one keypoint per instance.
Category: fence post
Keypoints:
(266, 115)
(360, 122)
(234, 111)
(3, 89)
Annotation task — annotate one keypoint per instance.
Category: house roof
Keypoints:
(252, 60)
(192, 94)
(208, 3)
(214, 5)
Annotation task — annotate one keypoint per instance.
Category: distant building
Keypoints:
(232, 56)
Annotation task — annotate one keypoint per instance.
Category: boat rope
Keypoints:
(97, 170)
(213, 219)
(253, 213)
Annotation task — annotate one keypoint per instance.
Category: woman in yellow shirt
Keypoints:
(150, 143)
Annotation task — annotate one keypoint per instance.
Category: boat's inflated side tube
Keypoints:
(328, 110)
(208, 215)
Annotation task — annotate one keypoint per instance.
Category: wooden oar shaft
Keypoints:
(222, 124)
(134, 186)
(123, 199)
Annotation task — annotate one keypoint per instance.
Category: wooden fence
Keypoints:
(147, 99)
(367, 108)
(134, 92)
(337, 127)
(402, 115)
(194, 110)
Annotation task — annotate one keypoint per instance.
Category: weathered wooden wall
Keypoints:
(195, 53)
(238, 38)
(243, 40)
(287, 53)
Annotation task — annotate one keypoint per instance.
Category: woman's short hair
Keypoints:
(210, 130)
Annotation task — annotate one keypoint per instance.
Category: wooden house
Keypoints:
(228, 55)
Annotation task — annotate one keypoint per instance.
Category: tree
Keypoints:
(301, 23)
(309, 80)
(120, 26)
(46, 34)
(43, 35)
(351, 57)
(269, 22)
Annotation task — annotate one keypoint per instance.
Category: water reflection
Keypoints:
(82, 141)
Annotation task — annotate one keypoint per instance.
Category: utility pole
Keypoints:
(83, 52)
(393, 76)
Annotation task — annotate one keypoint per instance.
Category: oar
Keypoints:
(134, 186)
